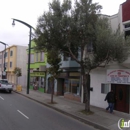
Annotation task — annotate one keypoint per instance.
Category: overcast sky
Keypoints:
(29, 11)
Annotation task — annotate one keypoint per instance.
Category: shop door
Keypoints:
(122, 98)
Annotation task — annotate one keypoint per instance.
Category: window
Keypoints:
(6, 54)
(65, 58)
(42, 56)
(11, 53)
(89, 47)
(72, 86)
(32, 58)
(36, 57)
(104, 88)
(127, 25)
(10, 64)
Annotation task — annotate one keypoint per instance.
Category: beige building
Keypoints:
(15, 56)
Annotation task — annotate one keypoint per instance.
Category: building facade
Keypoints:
(68, 82)
(114, 76)
(1, 63)
(37, 69)
(15, 56)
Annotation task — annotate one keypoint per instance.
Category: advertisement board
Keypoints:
(118, 76)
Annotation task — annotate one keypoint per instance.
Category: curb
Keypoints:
(95, 125)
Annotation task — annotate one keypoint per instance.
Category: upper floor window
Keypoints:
(37, 57)
(65, 58)
(6, 54)
(127, 25)
(42, 56)
(11, 53)
(32, 58)
(89, 47)
(10, 64)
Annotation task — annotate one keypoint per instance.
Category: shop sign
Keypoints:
(120, 76)
(37, 74)
(74, 74)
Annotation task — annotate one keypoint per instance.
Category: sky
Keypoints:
(29, 11)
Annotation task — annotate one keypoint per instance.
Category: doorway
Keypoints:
(122, 97)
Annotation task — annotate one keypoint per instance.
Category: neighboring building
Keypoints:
(68, 82)
(15, 56)
(37, 68)
(1, 63)
(114, 76)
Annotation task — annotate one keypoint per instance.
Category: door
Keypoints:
(122, 97)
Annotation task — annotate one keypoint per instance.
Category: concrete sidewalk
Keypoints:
(100, 119)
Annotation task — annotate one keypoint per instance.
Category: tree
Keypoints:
(81, 31)
(54, 59)
(17, 72)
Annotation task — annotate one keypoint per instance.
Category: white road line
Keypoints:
(23, 114)
(1, 98)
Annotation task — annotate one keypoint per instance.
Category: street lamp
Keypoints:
(30, 27)
(4, 73)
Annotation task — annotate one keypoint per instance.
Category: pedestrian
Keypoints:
(110, 98)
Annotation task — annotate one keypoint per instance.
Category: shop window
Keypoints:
(66, 85)
(72, 86)
(104, 88)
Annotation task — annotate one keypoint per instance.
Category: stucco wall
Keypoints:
(21, 61)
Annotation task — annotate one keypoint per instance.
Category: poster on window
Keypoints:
(119, 76)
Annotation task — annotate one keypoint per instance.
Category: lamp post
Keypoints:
(4, 73)
(30, 27)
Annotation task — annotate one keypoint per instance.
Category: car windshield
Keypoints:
(4, 81)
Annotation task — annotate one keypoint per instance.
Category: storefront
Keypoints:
(120, 83)
(105, 80)
(72, 88)
(37, 80)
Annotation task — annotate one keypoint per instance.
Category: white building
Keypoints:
(115, 76)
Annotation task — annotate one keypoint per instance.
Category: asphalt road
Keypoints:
(20, 113)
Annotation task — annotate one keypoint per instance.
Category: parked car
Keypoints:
(5, 85)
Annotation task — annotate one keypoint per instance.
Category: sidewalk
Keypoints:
(100, 119)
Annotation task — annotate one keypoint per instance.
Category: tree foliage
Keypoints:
(74, 30)
(54, 60)
(17, 71)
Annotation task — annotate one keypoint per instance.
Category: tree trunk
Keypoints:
(52, 91)
(86, 87)
(87, 92)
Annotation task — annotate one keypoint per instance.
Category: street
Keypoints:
(20, 113)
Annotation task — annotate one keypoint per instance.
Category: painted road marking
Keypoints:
(1, 98)
(23, 114)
